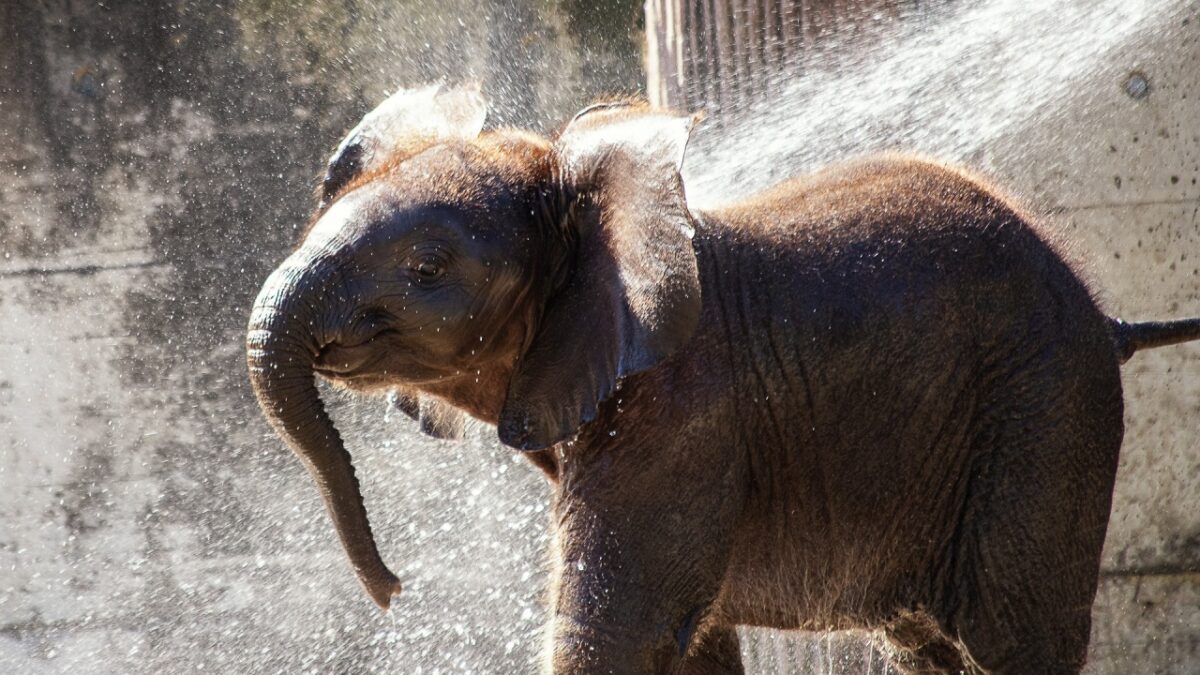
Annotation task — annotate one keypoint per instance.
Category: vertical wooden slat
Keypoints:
(830, 13)
(713, 83)
(789, 16)
(772, 39)
(721, 16)
(686, 54)
(664, 56)
(680, 99)
(654, 81)
(810, 24)
(847, 22)
(766, 34)
(739, 55)
(696, 59)
(754, 40)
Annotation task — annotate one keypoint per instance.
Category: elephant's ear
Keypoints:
(633, 296)
(426, 112)
(437, 419)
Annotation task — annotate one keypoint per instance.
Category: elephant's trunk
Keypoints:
(282, 342)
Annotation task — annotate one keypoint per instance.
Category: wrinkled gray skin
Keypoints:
(873, 397)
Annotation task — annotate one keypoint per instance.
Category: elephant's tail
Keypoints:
(1133, 337)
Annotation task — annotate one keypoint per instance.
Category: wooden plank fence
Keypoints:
(717, 54)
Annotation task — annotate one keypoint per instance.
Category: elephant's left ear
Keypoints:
(425, 112)
(633, 295)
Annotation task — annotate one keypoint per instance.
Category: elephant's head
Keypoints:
(499, 273)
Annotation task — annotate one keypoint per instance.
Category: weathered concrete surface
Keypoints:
(155, 162)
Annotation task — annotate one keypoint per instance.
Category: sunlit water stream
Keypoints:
(964, 86)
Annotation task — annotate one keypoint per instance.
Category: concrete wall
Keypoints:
(156, 161)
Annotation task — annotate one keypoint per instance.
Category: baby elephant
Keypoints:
(873, 397)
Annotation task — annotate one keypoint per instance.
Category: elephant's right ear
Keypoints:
(408, 114)
(632, 296)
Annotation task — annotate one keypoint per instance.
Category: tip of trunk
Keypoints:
(382, 589)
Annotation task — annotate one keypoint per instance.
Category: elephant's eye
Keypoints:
(427, 270)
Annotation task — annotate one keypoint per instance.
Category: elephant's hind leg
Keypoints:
(919, 646)
(1028, 560)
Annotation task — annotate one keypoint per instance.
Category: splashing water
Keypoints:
(956, 88)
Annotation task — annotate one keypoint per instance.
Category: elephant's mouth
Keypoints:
(337, 371)
(366, 378)
(342, 362)
(353, 356)
(372, 363)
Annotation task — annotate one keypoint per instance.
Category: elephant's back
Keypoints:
(890, 264)
(911, 192)
(888, 237)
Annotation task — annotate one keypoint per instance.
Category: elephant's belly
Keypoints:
(809, 587)
(853, 533)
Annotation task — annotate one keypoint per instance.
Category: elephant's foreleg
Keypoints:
(633, 596)
(606, 623)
